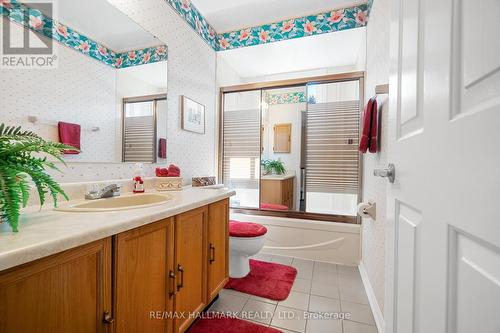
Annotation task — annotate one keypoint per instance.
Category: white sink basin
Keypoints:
(117, 203)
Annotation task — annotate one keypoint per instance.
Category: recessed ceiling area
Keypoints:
(339, 49)
(232, 15)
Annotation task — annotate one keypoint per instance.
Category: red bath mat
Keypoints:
(268, 280)
(229, 325)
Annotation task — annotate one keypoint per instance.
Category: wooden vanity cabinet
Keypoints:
(144, 281)
(66, 292)
(218, 247)
(190, 266)
(152, 279)
(277, 191)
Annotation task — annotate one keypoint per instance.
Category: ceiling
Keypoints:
(339, 49)
(232, 15)
(108, 25)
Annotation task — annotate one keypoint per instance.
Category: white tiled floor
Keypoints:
(318, 288)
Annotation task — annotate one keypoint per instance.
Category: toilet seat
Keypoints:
(245, 240)
(246, 229)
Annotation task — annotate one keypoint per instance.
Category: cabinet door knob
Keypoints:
(180, 269)
(212, 253)
(107, 318)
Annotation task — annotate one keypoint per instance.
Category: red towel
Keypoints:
(69, 134)
(374, 127)
(174, 171)
(162, 148)
(161, 172)
(369, 135)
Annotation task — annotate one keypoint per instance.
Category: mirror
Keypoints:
(108, 82)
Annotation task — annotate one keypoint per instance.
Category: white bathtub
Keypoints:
(314, 240)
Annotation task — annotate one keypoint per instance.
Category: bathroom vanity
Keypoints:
(143, 270)
(278, 190)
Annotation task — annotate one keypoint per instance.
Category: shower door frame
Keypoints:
(332, 78)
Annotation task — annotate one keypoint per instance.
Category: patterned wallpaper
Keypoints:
(341, 19)
(193, 17)
(71, 38)
(286, 98)
(79, 90)
(336, 20)
(191, 72)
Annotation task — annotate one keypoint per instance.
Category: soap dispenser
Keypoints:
(139, 178)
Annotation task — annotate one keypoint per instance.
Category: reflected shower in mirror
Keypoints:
(105, 62)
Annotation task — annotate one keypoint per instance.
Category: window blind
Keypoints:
(241, 146)
(332, 137)
(139, 136)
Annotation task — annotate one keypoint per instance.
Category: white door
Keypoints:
(443, 234)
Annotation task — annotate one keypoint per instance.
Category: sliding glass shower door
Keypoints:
(293, 149)
(241, 147)
(332, 160)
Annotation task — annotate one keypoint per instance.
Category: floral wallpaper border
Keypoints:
(287, 98)
(46, 26)
(193, 18)
(336, 20)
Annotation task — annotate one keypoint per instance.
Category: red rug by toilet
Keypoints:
(229, 325)
(266, 279)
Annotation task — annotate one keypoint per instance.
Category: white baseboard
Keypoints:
(377, 313)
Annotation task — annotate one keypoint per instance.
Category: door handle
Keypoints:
(107, 318)
(389, 173)
(212, 253)
(180, 269)
(171, 276)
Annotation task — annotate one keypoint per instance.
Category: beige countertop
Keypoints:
(46, 232)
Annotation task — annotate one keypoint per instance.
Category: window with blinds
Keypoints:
(332, 158)
(139, 132)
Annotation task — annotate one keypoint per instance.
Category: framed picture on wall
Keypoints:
(193, 115)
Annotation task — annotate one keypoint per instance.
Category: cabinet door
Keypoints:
(143, 288)
(218, 247)
(282, 138)
(190, 265)
(66, 292)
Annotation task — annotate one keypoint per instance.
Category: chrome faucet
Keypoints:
(109, 191)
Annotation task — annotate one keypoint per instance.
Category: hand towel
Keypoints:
(162, 148)
(174, 171)
(374, 127)
(69, 134)
(369, 135)
(161, 172)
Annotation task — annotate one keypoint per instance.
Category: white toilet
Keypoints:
(245, 240)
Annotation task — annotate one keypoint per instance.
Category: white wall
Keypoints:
(377, 72)
(191, 72)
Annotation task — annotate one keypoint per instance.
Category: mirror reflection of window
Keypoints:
(140, 128)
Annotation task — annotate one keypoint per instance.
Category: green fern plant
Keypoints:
(23, 157)
(273, 166)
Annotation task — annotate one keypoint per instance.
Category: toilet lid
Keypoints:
(246, 229)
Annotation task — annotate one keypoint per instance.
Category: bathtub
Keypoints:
(313, 240)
